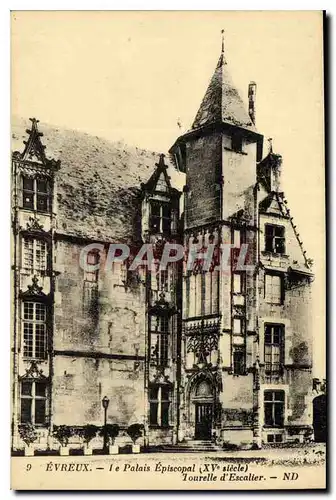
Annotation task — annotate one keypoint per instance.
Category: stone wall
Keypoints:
(100, 354)
(203, 177)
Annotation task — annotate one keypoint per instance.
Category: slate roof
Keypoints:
(98, 183)
(222, 102)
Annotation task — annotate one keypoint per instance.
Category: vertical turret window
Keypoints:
(238, 360)
(90, 290)
(238, 326)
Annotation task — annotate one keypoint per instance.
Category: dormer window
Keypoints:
(36, 194)
(274, 239)
(160, 217)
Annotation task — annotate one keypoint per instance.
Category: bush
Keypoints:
(88, 433)
(135, 431)
(27, 433)
(112, 431)
(62, 433)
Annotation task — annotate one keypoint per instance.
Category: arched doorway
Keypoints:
(320, 418)
(203, 401)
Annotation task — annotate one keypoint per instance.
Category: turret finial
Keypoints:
(223, 41)
(270, 145)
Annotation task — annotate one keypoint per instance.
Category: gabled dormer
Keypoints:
(33, 174)
(280, 242)
(160, 204)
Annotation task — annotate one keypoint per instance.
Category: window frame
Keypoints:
(238, 349)
(269, 298)
(275, 239)
(237, 143)
(163, 222)
(202, 300)
(161, 406)
(34, 269)
(161, 332)
(33, 398)
(274, 404)
(242, 283)
(274, 349)
(241, 320)
(31, 324)
(36, 194)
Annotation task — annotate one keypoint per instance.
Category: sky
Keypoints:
(132, 76)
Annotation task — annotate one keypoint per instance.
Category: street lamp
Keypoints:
(105, 403)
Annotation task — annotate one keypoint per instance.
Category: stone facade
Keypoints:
(216, 354)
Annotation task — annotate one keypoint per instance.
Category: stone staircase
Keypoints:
(191, 446)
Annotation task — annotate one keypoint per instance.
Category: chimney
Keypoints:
(252, 90)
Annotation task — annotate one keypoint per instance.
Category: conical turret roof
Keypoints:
(222, 102)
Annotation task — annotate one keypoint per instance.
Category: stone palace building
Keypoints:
(190, 354)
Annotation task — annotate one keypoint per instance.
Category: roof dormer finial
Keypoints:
(270, 145)
(223, 41)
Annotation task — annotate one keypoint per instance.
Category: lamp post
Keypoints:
(105, 403)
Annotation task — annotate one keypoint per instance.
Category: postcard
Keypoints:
(168, 250)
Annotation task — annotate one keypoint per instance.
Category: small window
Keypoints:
(238, 326)
(274, 239)
(236, 238)
(33, 402)
(270, 438)
(238, 279)
(237, 143)
(278, 438)
(238, 360)
(159, 403)
(274, 404)
(274, 289)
